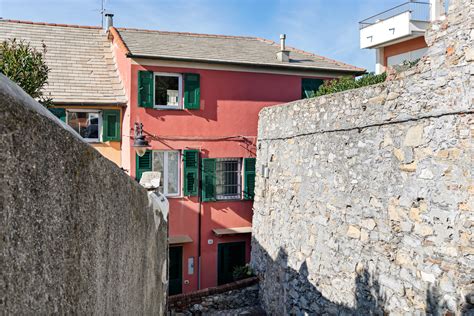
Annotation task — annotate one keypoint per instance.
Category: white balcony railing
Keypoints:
(404, 21)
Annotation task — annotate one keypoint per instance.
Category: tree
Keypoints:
(25, 65)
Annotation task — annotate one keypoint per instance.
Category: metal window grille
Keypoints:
(228, 179)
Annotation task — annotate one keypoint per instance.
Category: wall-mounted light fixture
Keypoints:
(139, 142)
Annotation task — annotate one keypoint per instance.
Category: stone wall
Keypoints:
(366, 206)
(78, 236)
(221, 300)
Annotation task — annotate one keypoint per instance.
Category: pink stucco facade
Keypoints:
(230, 101)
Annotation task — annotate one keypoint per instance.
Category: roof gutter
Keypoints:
(272, 66)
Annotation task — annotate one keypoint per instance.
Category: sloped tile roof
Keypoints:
(80, 58)
(223, 49)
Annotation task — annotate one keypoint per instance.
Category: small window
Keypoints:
(228, 179)
(167, 163)
(168, 90)
(86, 123)
(309, 87)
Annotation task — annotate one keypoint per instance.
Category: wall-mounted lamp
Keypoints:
(140, 143)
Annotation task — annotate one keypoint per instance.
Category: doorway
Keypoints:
(229, 256)
(176, 270)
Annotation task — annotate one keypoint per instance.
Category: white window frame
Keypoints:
(89, 140)
(238, 195)
(180, 91)
(165, 171)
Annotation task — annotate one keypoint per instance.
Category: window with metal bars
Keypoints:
(228, 178)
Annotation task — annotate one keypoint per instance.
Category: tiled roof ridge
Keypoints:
(191, 34)
(51, 24)
(115, 33)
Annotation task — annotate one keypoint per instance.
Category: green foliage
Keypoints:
(242, 272)
(348, 83)
(25, 66)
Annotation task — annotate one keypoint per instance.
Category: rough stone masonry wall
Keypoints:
(78, 236)
(368, 203)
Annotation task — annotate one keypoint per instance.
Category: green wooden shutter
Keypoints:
(145, 89)
(208, 179)
(249, 178)
(192, 91)
(143, 164)
(59, 113)
(111, 125)
(309, 87)
(191, 171)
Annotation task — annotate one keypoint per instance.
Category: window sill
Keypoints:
(92, 141)
(165, 107)
(227, 200)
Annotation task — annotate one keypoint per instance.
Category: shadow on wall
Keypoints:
(294, 294)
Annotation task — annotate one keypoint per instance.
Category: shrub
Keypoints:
(347, 83)
(242, 272)
(25, 66)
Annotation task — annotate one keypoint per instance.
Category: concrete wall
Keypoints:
(78, 235)
(367, 207)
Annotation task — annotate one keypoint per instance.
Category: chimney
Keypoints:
(283, 55)
(109, 21)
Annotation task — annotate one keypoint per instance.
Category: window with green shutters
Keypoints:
(191, 172)
(309, 86)
(208, 175)
(192, 91)
(143, 164)
(111, 125)
(249, 178)
(146, 89)
(60, 113)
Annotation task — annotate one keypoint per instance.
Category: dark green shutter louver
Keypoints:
(145, 89)
(309, 87)
(111, 125)
(208, 179)
(192, 91)
(143, 164)
(249, 178)
(191, 172)
(59, 113)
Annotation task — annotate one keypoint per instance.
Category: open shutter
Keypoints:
(309, 87)
(59, 113)
(249, 178)
(145, 89)
(192, 91)
(208, 180)
(191, 171)
(111, 125)
(143, 164)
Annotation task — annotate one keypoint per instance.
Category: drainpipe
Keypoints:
(199, 243)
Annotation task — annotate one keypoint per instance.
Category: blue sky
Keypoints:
(324, 27)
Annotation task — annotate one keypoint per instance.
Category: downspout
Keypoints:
(199, 222)
(199, 243)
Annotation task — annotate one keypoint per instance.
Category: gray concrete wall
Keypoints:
(368, 206)
(77, 234)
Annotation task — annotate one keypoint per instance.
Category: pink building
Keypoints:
(198, 97)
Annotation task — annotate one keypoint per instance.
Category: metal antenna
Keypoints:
(102, 10)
